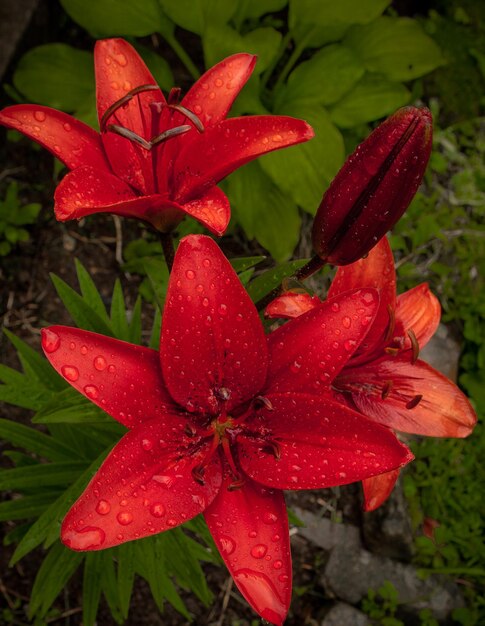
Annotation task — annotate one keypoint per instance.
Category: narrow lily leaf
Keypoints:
(126, 574)
(54, 573)
(26, 507)
(34, 441)
(242, 264)
(92, 578)
(82, 314)
(156, 329)
(109, 586)
(17, 533)
(70, 407)
(53, 516)
(46, 475)
(134, 333)
(90, 292)
(265, 282)
(118, 319)
(157, 273)
(37, 397)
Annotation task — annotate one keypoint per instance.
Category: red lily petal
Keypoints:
(71, 141)
(412, 398)
(250, 528)
(142, 488)
(290, 305)
(109, 372)
(315, 442)
(212, 155)
(375, 270)
(212, 209)
(378, 488)
(420, 311)
(307, 353)
(213, 347)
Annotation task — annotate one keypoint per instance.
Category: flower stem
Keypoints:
(313, 265)
(295, 55)
(166, 240)
(182, 55)
(269, 70)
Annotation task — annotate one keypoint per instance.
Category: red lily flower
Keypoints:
(221, 421)
(384, 380)
(154, 159)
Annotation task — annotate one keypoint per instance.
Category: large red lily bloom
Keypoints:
(154, 159)
(384, 379)
(221, 420)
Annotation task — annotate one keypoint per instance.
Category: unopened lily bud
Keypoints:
(374, 187)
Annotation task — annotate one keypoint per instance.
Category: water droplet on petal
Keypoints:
(346, 322)
(70, 372)
(259, 551)
(190, 274)
(147, 444)
(222, 309)
(84, 350)
(100, 363)
(67, 127)
(91, 391)
(103, 507)
(206, 263)
(226, 545)
(39, 116)
(157, 510)
(335, 307)
(124, 518)
(172, 522)
(85, 539)
(269, 518)
(278, 564)
(50, 340)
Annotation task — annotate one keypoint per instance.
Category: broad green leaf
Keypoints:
(317, 22)
(325, 78)
(92, 579)
(305, 171)
(252, 9)
(55, 571)
(197, 15)
(221, 41)
(264, 211)
(158, 67)
(372, 98)
(126, 575)
(53, 516)
(41, 475)
(26, 507)
(90, 292)
(105, 18)
(119, 323)
(34, 441)
(56, 75)
(82, 314)
(265, 282)
(395, 47)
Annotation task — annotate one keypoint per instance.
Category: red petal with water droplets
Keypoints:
(418, 310)
(142, 488)
(213, 347)
(291, 305)
(71, 141)
(307, 353)
(211, 97)
(212, 209)
(377, 271)
(443, 410)
(315, 442)
(250, 528)
(123, 379)
(378, 488)
(212, 155)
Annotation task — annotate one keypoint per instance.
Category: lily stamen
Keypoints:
(414, 401)
(392, 323)
(130, 135)
(189, 115)
(414, 345)
(119, 103)
(386, 390)
(168, 134)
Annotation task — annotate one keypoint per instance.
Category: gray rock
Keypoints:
(388, 531)
(345, 615)
(326, 534)
(349, 575)
(443, 353)
(14, 18)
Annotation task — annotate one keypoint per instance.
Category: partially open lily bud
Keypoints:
(374, 187)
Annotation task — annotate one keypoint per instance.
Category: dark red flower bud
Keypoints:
(374, 187)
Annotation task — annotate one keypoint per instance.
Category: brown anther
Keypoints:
(129, 134)
(168, 134)
(237, 484)
(274, 448)
(198, 474)
(189, 115)
(119, 103)
(414, 401)
(414, 345)
(174, 95)
(386, 390)
(223, 393)
(261, 401)
(392, 323)
(391, 351)
(190, 430)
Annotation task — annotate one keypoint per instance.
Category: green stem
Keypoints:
(290, 64)
(166, 240)
(182, 55)
(269, 70)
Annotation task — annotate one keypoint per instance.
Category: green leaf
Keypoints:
(305, 171)
(35, 399)
(395, 47)
(105, 18)
(92, 579)
(265, 282)
(54, 573)
(55, 75)
(89, 291)
(316, 22)
(241, 264)
(82, 314)
(26, 507)
(41, 475)
(252, 9)
(134, 334)
(264, 211)
(197, 15)
(372, 98)
(158, 67)
(126, 575)
(158, 276)
(119, 323)
(324, 79)
(156, 330)
(34, 441)
(109, 585)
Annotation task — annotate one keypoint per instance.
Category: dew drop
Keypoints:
(205, 302)
(39, 116)
(278, 564)
(222, 309)
(103, 507)
(157, 510)
(50, 340)
(70, 372)
(259, 551)
(100, 363)
(67, 127)
(252, 534)
(91, 391)
(206, 263)
(84, 350)
(346, 322)
(226, 545)
(218, 82)
(190, 274)
(111, 369)
(349, 345)
(269, 518)
(85, 539)
(124, 518)
(172, 522)
(335, 307)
